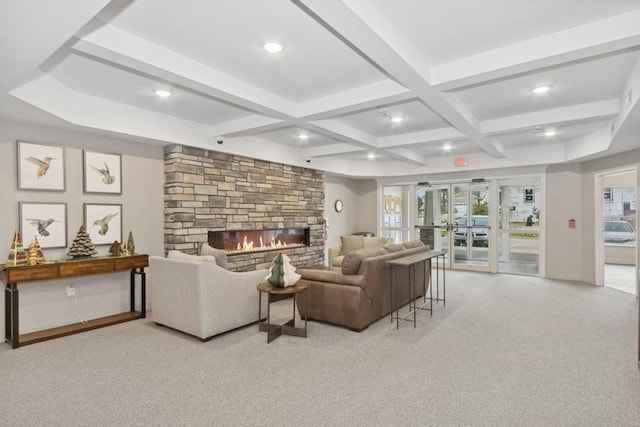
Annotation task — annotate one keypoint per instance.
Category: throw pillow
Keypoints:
(351, 261)
(396, 247)
(219, 254)
(374, 242)
(413, 244)
(351, 243)
(193, 258)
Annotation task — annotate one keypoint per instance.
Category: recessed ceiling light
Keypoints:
(371, 156)
(397, 119)
(540, 89)
(550, 133)
(303, 136)
(446, 147)
(272, 46)
(163, 93)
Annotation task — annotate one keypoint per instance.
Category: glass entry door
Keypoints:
(433, 221)
(471, 226)
(519, 226)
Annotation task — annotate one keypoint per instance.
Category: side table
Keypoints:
(276, 294)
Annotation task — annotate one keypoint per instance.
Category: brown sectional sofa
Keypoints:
(360, 294)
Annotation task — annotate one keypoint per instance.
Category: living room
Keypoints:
(34, 111)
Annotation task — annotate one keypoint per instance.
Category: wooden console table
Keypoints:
(12, 275)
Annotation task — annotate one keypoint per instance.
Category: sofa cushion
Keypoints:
(351, 243)
(193, 258)
(332, 277)
(374, 242)
(394, 247)
(351, 262)
(337, 261)
(413, 244)
(219, 254)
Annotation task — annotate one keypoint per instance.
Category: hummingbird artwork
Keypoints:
(43, 165)
(107, 178)
(42, 224)
(104, 223)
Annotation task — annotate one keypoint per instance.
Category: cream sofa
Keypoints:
(336, 254)
(193, 294)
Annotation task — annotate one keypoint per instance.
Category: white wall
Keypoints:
(563, 201)
(45, 304)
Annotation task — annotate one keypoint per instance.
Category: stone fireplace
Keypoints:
(207, 191)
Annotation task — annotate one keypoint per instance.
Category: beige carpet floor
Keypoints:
(505, 351)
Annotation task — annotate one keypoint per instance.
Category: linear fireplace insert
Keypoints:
(243, 241)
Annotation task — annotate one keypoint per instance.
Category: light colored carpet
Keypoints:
(505, 351)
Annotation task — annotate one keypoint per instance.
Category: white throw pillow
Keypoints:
(219, 254)
(193, 258)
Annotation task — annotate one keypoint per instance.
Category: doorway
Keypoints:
(456, 218)
(491, 226)
(617, 239)
(520, 207)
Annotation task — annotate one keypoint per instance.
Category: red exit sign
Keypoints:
(461, 161)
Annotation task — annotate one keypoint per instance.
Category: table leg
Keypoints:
(12, 328)
(259, 309)
(306, 311)
(444, 282)
(391, 293)
(143, 293)
(132, 290)
(437, 278)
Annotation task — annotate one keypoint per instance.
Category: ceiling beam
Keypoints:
(416, 138)
(362, 27)
(585, 41)
(593, 110)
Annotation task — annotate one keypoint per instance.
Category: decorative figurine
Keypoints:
(115, 249)
(17, 254)
(35, 256)
(131, 247)
(82, 246)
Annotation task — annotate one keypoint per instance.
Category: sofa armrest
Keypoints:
(333, 277)
(332, 254)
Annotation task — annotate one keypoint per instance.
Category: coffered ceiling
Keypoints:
(459, 73)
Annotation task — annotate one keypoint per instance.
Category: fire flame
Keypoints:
(249, 245)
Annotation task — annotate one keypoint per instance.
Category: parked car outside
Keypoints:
(618, 232)
(480, 236)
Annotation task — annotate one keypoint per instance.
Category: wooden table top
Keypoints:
(411, 259)
(297, 288)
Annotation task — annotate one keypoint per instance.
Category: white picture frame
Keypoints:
(102, 172)
(103, 222)
(40, 167)
(46, 221)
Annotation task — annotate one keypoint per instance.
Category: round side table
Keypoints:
(274, 294)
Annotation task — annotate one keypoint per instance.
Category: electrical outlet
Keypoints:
(71, 290)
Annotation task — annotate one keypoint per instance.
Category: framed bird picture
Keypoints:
(102, 173)
(46, 222)
(103, 223)
(40, 167)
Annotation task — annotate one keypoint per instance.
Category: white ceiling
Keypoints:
(460, 73)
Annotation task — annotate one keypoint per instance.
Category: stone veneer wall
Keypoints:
(207, 190)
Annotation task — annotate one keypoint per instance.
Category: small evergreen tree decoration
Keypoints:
(35, 256)
(131, 247)
(82, 245)
(17, 254)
